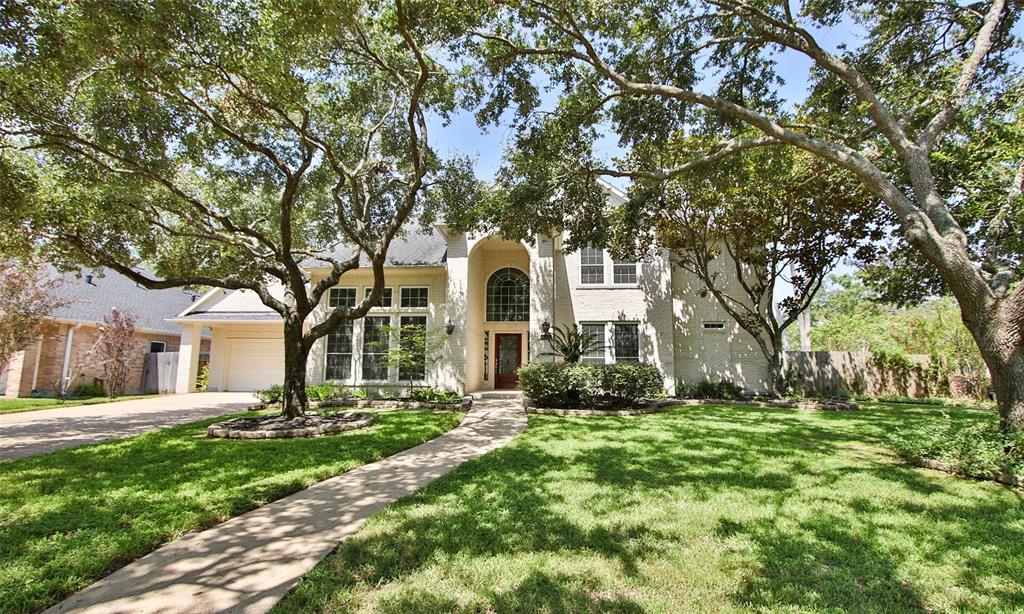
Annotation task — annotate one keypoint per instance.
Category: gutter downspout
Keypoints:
(66, 367)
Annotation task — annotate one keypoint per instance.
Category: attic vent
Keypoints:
(195, 297)
(88, 279)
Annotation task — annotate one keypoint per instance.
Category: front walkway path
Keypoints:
(45, 430)
(248, 563)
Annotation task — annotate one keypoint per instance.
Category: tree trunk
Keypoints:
(1001, 342)
(294, 401)
(776, 375)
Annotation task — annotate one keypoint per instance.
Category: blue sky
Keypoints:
(462, 136)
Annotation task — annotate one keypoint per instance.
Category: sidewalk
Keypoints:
(248, 563)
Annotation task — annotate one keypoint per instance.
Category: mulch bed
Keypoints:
(273, 427)
(664, 404)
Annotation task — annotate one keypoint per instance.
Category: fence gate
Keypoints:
(160, 372)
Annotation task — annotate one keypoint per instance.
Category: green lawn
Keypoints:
(714, 508)
(73, 516)
(15, 405)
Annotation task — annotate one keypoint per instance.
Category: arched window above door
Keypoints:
(508, 296)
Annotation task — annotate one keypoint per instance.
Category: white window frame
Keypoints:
(354, 290)
(362, 350)
(368, 289)
(623, 263)
(426, 327)
(163, 347)
(593, 360)
(603, 265)
(404, 288)
(352, 357)
(713, 326)
(639, 339)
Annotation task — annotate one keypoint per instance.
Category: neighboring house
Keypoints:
(61, 355)
(497, 295)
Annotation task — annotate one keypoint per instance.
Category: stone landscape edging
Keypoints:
(462, 405)
(1002, 478)
(222, 430)
(663, 404)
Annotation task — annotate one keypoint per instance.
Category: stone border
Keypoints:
(664, 404)
(462, 405)
(225, 430)
(1002, 478)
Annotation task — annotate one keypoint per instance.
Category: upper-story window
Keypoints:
(508, 296)
(591, 265)
(624, 271)
(414, 297)
(341, 297)
(385, 297)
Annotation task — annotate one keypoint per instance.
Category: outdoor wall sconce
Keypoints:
(449, 328)
(545, 330)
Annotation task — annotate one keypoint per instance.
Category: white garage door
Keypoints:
(254, 364)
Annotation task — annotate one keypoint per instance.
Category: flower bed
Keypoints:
(274, 427)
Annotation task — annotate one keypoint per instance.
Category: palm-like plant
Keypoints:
(572, 343)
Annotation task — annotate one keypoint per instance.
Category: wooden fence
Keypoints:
(828, 373)
(159, 372)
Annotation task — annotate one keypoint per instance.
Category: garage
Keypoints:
(254, 364)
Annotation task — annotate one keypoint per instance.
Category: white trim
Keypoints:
(200, 301)
(414, 287)
(162, 343)
(69, 340)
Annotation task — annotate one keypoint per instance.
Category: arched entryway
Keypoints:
(498, 317)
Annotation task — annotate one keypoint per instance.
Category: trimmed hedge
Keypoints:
(569, 385)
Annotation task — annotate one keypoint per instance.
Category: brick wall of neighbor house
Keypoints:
(83, 369)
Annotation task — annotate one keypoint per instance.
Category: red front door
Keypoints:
(507, 359)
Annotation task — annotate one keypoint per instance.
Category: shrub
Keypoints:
(589, 385)
(977, 450)
(94, 389)
(322, 392)
(270, 395)
(434, 395)
(724, 389)
(360, 393)
(632, 382)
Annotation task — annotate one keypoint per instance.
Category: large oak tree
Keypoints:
(919, 85)
(224, 144)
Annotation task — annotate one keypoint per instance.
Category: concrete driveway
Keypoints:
(38, 432)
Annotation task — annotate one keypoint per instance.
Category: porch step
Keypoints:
(498, 394)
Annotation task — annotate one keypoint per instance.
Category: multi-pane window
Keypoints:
(385, 297)
(376, 343)
(414, 297)
(412, 337)
(596, 331)
(339, 352)
(341, 297)
(624, 271)
(627, 342)
(591, 265)
(508, 296)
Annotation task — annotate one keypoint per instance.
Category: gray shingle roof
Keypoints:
(415, 246)
(91, 299)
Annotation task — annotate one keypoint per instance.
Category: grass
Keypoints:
(16, 405)
(712, 509)
(70, 517)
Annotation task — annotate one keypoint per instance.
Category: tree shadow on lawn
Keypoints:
(75, 515)
(805, 520)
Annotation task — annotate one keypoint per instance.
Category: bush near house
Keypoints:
(567, 385)
(725, 389)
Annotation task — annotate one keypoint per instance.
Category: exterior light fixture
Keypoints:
(545, 329)
(449, 328)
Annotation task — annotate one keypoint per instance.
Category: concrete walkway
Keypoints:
(248, 563)
(38, 432)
